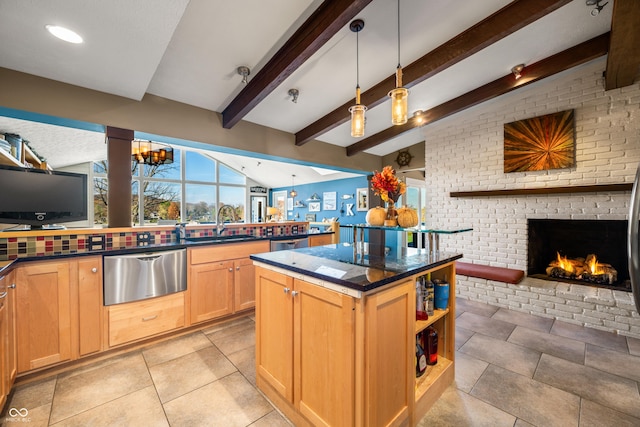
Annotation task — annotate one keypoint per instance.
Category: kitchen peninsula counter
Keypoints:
(336, 334)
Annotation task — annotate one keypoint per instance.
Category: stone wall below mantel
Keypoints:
(597, 308)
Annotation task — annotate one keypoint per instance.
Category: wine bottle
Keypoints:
(431, 345)
(421, 358)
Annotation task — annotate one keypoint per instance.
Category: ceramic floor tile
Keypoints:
(614, 362)
(634, 346)
(589, 335)
(230, 343)
(465, 305)
(543, 342)
(175, 348)
(523, 423)
(592, 384)
(78, 393)
(468, 370)
(32, 417)
(230, 401)
(462, 336)
(530, 400)
(32, 395)
(140, 408)
(594, 415)
(523, 319)
(501, 353)
(456, 408)
(484, 325)
(189, 372)
(245, 362)
(272, 419)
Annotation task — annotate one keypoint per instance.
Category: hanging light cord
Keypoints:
(357, 59)
(398, 33)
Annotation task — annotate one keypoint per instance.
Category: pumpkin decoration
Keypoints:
(376, 216)
(407, 217)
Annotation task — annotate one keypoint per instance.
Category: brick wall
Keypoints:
(465, 153)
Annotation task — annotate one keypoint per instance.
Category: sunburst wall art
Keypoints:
(540, 143)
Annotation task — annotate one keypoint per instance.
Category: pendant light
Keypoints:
(357, 111)
(399, 96)
(293, 192)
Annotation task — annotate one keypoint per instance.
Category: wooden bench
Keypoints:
(500, 274)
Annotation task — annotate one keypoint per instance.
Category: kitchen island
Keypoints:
(336, 334)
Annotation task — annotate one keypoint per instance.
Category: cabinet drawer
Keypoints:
(141, 319)
(227, 251)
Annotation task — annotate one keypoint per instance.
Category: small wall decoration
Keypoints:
(314, 206)
(362, 199)
(329, 201)
(540, 143)
(310, 217)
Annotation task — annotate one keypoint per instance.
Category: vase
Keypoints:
(391, 219)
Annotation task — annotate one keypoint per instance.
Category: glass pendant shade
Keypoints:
(399, 97)
(357, 116)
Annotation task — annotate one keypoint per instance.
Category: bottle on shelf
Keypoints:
(431, 345)
(421, 358)
(429, 297)
(421, 314)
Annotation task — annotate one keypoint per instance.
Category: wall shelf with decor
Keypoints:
(546, 190)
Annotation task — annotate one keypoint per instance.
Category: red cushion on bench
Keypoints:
(501, 274)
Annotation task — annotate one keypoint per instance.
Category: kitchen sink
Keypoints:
(213, 239)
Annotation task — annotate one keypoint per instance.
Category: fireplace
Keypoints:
(553, 240)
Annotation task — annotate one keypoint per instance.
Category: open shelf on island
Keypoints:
(437, 315)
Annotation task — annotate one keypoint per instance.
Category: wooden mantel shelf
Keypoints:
(545, 190)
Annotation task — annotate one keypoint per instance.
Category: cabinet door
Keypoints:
(43, 315)
(274, 331)
(4, 340)
(390, 355)
(244, 282)
(90, 304)
(324, 354)
(211, 290)
(11, 367)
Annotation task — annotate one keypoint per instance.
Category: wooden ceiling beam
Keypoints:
(502, 23)
(324, 23)
(547, 67)
(623, 62)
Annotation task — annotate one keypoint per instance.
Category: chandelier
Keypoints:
(151, 153)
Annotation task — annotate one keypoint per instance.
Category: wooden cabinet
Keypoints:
(10, 353)
(58, 311)
(141, 319)
(89, 305)
(306, 347)
(320, 239)
(221, 279)
(326, 358)
(43, 315)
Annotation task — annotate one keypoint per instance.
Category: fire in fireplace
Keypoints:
(589, 252)
(588, 269)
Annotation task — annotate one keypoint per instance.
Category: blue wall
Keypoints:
(346, 186)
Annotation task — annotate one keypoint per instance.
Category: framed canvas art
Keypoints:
(540, 143)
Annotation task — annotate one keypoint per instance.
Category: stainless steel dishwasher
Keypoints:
(134, 277)
(290, 242)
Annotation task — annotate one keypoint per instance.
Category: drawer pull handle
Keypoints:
(94, 270)
(146, 319)
(12, 286)
(294, 293)
(286, 290)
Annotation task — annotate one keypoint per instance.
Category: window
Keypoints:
(186, 190)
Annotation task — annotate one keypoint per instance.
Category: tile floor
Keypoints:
(512, 369)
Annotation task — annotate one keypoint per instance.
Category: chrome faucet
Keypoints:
(220, 224)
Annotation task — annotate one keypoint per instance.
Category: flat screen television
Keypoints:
(38, 197)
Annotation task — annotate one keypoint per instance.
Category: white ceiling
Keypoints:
(188, 51)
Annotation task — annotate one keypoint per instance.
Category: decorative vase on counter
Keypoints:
(376, 216)
(391, 218)
(407, 217)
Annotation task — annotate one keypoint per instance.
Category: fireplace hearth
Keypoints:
(588, 252)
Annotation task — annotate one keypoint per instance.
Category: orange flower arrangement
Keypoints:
(387, 185)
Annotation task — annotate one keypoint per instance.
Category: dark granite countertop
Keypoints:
(343, 265)
(154, 247)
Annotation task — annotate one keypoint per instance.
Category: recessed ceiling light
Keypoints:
(64, 34)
